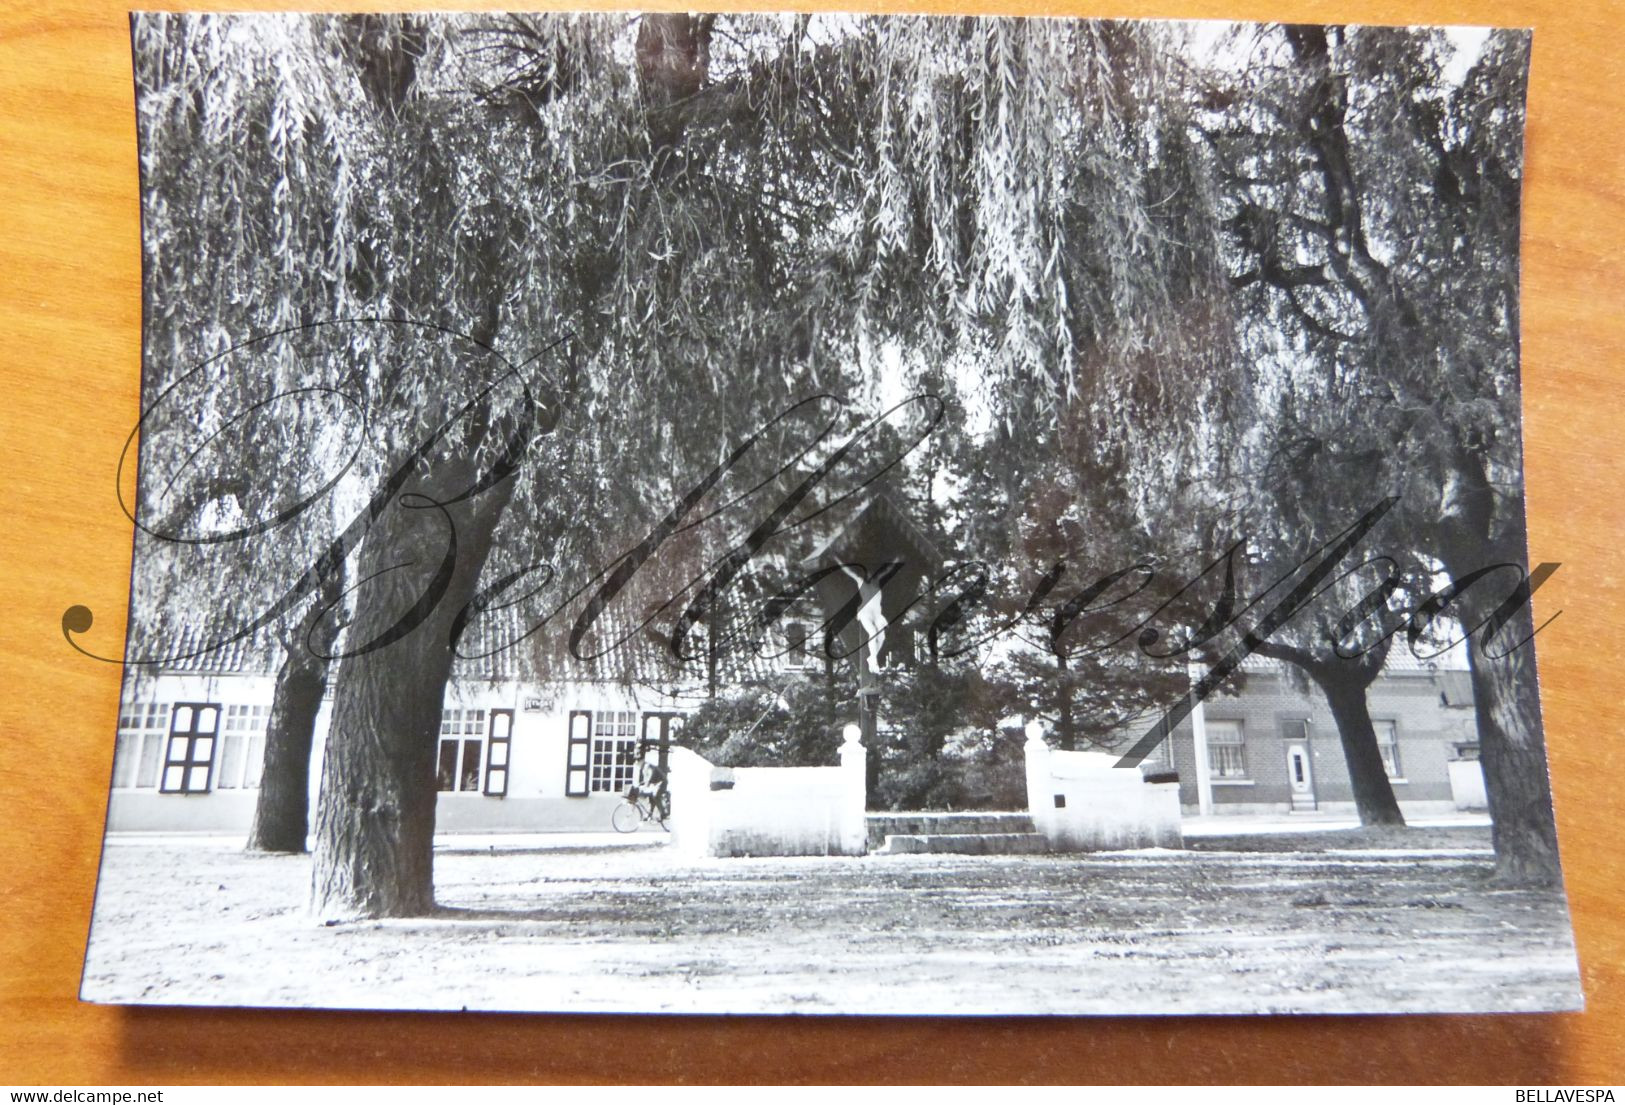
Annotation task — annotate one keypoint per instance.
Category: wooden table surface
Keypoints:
(69, 357)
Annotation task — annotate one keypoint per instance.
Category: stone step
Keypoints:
(882, 825)
(965, 844)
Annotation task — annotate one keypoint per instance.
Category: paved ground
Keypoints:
(1335, 922)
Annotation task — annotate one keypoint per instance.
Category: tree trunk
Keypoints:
(376, 813)
(713, 647)
(1373, 794)
(1344, 684)
(1512, 752)
(282, 811)
(1506, 693)
(1065, 735)
(1511, 741)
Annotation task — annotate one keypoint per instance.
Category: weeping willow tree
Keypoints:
(248, 194)
(533, 277)
(1035, 206)
(1048, 239)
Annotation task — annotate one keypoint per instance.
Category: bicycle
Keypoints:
(640, 806)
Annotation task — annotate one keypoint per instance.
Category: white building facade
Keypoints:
(512, 757)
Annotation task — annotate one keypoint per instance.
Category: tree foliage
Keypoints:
(1167, 296)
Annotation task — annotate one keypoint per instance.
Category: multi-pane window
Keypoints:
(1226, 754)
(614, 750)
(242, 748)
(142, 728)
(189, 755)
(190, 748)
(462, 746)
(1388, 745)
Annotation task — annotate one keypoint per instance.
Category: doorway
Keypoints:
(1300, 774)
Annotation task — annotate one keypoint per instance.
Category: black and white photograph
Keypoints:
(827, 514)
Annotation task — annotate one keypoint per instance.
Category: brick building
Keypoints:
(1272, 746)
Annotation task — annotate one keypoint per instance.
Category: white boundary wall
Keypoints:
(1081, 803)
(1467, 785)
(768, 811)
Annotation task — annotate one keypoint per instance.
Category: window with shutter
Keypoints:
(496, 754)
(578, 754)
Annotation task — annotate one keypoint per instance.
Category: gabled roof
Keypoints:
(498, 647)
(878, 508)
